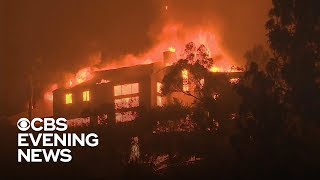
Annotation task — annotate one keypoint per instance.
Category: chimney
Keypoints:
(169, 57)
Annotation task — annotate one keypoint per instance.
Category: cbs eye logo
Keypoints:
(46, 124)
(23, 124)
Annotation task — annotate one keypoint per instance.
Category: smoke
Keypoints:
(54, 39)
(239, 24)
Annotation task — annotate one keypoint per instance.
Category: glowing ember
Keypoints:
(216, 96)
(215, 69)
(185, 78)
(172, 49)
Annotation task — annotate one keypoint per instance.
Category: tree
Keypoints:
(288, 91)
(195, 64)
(261, 112)
(259, 55)
(294, 36)
(205, 88)
(280, 105)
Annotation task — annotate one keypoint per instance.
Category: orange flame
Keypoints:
(173, 35)
(81, 76)
(172, 49)
(215, 69)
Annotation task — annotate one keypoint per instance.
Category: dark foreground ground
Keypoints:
(219, 160)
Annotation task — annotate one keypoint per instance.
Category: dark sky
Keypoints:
(56, 36)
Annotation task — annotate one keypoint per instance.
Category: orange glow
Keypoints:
(48, 94)
(185, 74)
(234, 80)
(69, 98)
(103, 81)
(126, 116)
(86, 96)
(126, 89)
(117, 90)
(129, 102)
(185, 78)
(159, 101)
(81, 76)
(172, 49)
(201, 83)
(215, 69)
(174, 35)
(159, 86)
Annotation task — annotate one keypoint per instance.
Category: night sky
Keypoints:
(54, 37)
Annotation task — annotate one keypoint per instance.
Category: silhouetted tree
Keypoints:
(260, 112)
(280, 105)
(287, 93)
(259, 55)
(205, 88)
(294, 36)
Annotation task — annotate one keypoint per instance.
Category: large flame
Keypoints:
(81, 76)
(172, 49)
(173, 37)
(215, 69)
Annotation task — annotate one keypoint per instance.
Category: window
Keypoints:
(117, 90)
(126, 116)
(129, 102)
(185, 80)
(126, 89)
(86, 96)
(159, 101)
(159, 86)
(234, 80)
(69, 98)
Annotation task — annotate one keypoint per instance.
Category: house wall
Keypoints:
(220, 82)
(100, 95)
(101, 99)
(144, 93)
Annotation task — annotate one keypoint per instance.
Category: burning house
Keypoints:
(116, 95)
